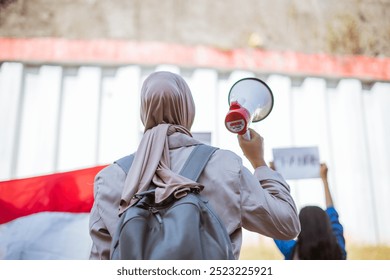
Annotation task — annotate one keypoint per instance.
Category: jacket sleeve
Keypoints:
(337, 229)
(104, 213)
(101, 239)
(286, 247)
(267, 206)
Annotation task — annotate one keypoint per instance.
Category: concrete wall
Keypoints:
(315, 26)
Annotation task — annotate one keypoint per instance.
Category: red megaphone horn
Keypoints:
(250, 100)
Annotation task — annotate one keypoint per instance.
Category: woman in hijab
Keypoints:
(260, 202)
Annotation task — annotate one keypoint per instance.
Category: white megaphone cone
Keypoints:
(250, 100)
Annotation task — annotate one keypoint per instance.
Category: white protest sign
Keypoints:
(297, 163)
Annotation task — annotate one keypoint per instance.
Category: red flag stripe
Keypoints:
(61, 192)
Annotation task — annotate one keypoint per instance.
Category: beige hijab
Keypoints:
(167, 107)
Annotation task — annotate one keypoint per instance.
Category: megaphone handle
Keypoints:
(247, 135)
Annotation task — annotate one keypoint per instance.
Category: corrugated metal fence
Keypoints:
(57, 118)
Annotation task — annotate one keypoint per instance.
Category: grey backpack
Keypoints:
(175, 229)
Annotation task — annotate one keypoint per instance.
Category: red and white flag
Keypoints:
(46, 217)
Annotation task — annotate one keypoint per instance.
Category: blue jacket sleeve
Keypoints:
(337, 229)
(286, 247)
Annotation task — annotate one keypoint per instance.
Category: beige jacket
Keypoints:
(261, 202)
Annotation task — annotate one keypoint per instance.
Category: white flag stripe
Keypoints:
(46, 235)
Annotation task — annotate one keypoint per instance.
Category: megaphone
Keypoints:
(250, 100)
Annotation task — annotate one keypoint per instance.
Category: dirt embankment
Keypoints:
(315, 26)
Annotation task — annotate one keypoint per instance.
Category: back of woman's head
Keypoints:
(316, 240)
(166, 98)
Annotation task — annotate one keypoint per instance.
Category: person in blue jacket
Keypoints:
(321, 236)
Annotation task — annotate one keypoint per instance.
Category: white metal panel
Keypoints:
(350, 164)
(167, 67)
(221, 109)
(276, 127)
(309, 129)
(203, 85)
(377, 113)
(309, 115)
(120, 119)
(79, 119)
(37, 142)
(11, 81)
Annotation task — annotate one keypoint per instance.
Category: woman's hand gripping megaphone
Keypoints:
(253, 148)
(247, 135)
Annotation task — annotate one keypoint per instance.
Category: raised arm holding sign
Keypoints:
(322, 235)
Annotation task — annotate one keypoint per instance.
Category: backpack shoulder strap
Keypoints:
(192, 168)
(197, 161)
(125, 162)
